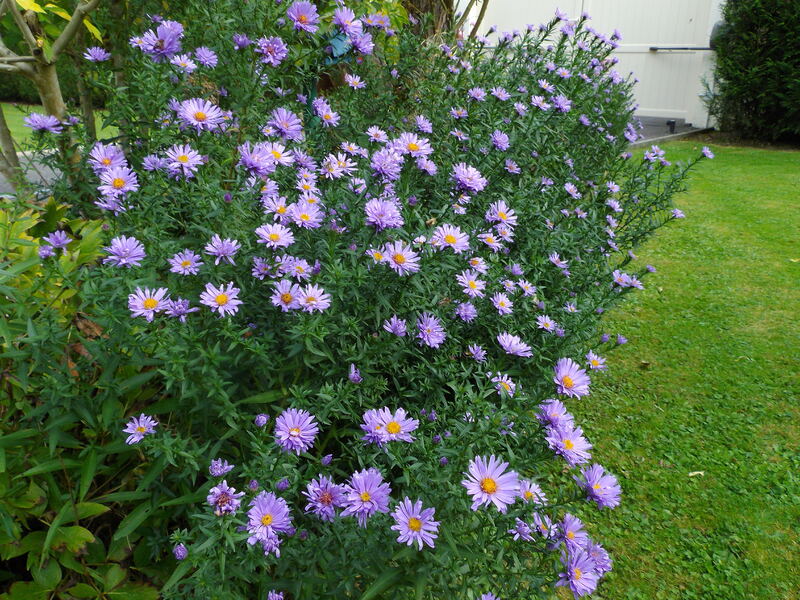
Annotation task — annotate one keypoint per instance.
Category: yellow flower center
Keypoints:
(594, 362)
(200, 116)
(277, 155)
(473, 285)
(183, 158)
(286, 298)
(305, 217)
(502, 215)
(413, 147)
(221, 299)
(505, 386)
(489, 240)
(571, 535)
(568, 444)
(393, 427)
(377, 256)
(274, 237)
(294, 431)
(311, 300)
(118, 183)
(140, 429)
(186, 263)
(303, 19)
(150, 303)
(567, 382)
(399, 259)
(576, 572)
(488, 485)
(450, 238)
(365, 497)
(106, 161)
(266, 520)
(414, 524)
(528, 494)
(596, 486)
(281, 210)
(326, 498)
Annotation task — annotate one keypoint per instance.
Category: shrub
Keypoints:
(757, 91)
(342, 287)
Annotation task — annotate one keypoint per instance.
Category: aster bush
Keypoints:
(350, 288)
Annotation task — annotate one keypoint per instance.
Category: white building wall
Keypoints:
(670, 82)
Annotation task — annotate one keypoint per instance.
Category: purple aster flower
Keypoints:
(504, 383)
(383, 214)
(219, 467)
(241, 41)
(200, 114)
(314, 298)
(306, 215)
(503, 305)
(275, 236)
(287, 295)
(469, 178)
(106, 156)
(146, 302)
(423, 124)
(401, 258)
(621, 339)
(261, 419)
(530, 491)
(46, 251)
(450, 236)
(164, 41)
(286, 123)
(354, 81)
(430, 330)
(326, 460)
(471, 285)
(185, 262)
(554, 413)
(601, 558)
(568, 441)
(387, 163)
(223, 250)
(183, 160)
(489, 596)
(363, 44)
(206, 57)
(415, 524)
(513, 345)
(184, 63)
(678, 214)
(521, 530)
(268, 516)
(223, 300)
(124, 252)
(153, 162)
(477, 353)
(355, 375)
(272, 50)
(601, 487)
(345, 19)
(488, 483)
(707, 152)
(57, 239)
(570, 379)
(96, 54)
(580, 574)
(395, 326)
(562, 103)
(179, 308)
(225, 499)
(138, 427)
(304, 16)
(275, 595)
(500, 140)
(596, 362)
(544, 525)
(118, 181)
(383, 426)
(571, 532)
(324, 497)
(295, 430)
(366, 494)
(40, 122)
(377, 134)
(180, 552)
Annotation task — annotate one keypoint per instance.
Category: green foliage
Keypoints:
(757, 90)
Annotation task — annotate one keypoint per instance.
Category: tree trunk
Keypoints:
(9, 162)
(50, 90)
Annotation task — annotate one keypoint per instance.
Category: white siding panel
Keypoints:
(670, 82)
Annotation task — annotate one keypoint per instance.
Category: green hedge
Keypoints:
(757, 76)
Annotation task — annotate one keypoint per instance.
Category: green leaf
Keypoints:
(93, 30)
(382, 583)
(26, 590)
(83, 590)
(48, 576)
(133, 520)
(176, 576)
(57, 10)
(73, 538)
(134, 591)
(113, 577)
(51, 465)
(84, 510)
(87, 473)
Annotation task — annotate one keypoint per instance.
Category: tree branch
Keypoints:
(23, 27)
(72, 27)
(16, 59)
(464, 15)
(484, 6)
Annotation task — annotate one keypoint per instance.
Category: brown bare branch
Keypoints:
(83, 9)
(23, 27)
(482, 14)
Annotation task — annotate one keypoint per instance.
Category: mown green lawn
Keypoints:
(699, 414)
